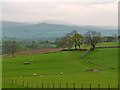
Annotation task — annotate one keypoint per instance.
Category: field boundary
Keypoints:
(27, 85)
(39, 51)
(108, 47)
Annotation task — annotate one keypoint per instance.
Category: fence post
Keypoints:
(3, 80)
(90, 86)
(53, 85)
(47, 85)
(15, 82)
(81, 86)
(60, 85)
(118, 86)
(98, 86)
(23, 83)
(108, 86)
(67, 85)
(9, 81)
(42, 84)
(12, 81)
(74, 86)
(27, 84)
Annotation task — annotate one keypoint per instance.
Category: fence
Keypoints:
(24, 84)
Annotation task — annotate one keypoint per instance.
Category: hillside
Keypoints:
(48, 31)
(68, 62)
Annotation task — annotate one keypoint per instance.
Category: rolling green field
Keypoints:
(74, 69)
(101, 44)
(108, 44)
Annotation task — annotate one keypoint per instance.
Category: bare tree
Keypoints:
(10, 46)
(92, 38)
(66, 42)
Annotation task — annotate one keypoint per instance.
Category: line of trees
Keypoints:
(10, 46)
(75, 39)
(70, 40)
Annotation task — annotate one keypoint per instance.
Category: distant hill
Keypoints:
(48, 31)
(13, 24)
(60, 22)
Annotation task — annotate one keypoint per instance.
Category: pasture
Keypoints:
(101, 44)
(63, 67)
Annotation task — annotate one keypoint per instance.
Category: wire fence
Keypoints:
(26, 84)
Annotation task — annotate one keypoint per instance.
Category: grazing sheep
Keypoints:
(34, 74)
(26, 63)
(41, 75)
(92, 70)
(21, 76)
(61, 73)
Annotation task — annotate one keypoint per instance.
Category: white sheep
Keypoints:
(41, 75)
(34, 74)
(61, 73)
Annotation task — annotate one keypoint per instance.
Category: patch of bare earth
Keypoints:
(39, 51)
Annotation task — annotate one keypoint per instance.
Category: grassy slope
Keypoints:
(70, 63)
(0, 71)
(44, 63)
(101, 44)
(108, 44)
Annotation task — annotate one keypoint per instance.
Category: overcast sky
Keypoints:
(80, 13)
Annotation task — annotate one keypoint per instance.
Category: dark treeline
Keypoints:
(10, 46)
(68, 41)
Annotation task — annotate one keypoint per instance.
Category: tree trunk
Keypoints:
(79, 47)
(75, 46)
(12, 54)
(70, 48)
(93, 47)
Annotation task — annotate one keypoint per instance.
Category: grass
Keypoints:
(68, 62)
(108, 44)
(8, 85)
(0, 71)
(102, 44)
